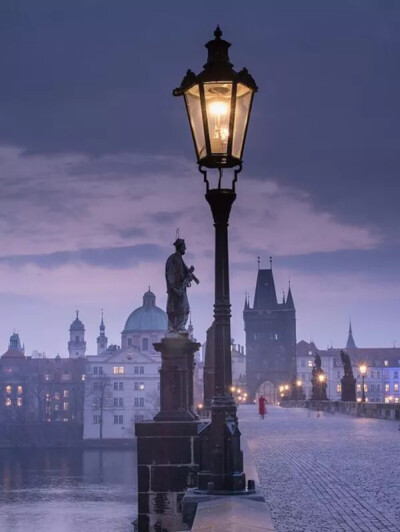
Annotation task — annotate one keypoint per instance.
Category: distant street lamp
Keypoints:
(218, 103)
(363, 371)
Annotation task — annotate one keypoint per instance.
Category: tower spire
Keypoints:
(350, 340)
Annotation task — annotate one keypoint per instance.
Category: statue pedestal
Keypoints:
(176, 378)
(348, 389)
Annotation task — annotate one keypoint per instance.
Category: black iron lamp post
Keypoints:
(218, 103)
(363, 372)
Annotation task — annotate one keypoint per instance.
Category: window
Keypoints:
(76, 338)
(141, 370)
(56, 407)
(136, 370)
(19, 390)
(8, 401)
(338, 374)
(145, 344)
(118, 370)
(66, 394)
(96, 386)
(47, 377)
(310, 363)
(57, 396)
(386, 362)
(96, 419)
(118, 420)
(118, 385)
(139, 401)
(387, 388)
(115, 385)
(100, 370)
(48, 399)
(118, 401)
(66, 377)
(66, 406)
(129, 341)
(358, 387)
(378, 374)
(372, 374)
(339, 388)
(139, 417)
(396, 387)
(395, 374)
(95, 370)
(8, 389)
(378, 387)
(83, 377)
(303, 363)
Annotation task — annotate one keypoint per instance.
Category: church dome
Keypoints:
(148, 317)
(77, 325)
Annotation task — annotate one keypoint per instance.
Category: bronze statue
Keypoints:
(348, 381)
(178, 277)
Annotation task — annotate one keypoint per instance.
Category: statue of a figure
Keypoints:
(348, 370)
(317, 361)
(348, 381)
(178, 277)
(318, 381)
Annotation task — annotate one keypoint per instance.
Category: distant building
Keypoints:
(381, 381)
(122, 383)
(270, 329)
(41, 399)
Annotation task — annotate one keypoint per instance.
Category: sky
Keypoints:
(98, 169)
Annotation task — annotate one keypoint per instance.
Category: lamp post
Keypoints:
(218, 102)
(363, 372)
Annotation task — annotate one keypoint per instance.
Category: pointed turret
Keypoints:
(289, 299)
(102, 340)
(246, 302)
(350, 340)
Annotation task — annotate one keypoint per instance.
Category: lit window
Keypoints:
(66, 377)
(387, 388)
(386, 362)
(65, 406)
(8, 389)
(396, 387)
(47, 377)
(358, 387)
(65, 419)
(66, 394)
(8, 401)
(19, 401)
(47, 398)
(339, 388)
(396, 399)
(83, 377)
(57, 396)
(118, 370)
(310, 353)
(310, 363)
(19, 390)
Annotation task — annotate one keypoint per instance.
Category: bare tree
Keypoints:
(98, 391)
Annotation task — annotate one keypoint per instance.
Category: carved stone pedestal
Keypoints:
(176, 378)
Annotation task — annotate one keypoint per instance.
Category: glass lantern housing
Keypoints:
(218, 103)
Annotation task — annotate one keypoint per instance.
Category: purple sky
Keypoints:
(97, 167)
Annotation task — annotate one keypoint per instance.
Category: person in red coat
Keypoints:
(261, 406)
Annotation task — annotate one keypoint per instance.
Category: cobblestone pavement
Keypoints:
(326, 474)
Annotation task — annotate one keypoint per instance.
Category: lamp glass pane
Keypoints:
(193, 104)
(218, 109)
(243, 101)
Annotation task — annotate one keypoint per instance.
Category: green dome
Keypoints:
(149, 317)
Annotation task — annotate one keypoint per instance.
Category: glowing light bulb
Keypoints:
(218, 108)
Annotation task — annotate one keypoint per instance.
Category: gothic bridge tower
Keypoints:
(270, 329)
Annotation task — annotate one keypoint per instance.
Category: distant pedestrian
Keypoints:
(261, 406)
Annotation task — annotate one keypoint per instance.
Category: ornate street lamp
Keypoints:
(218, 103)
(363, 371)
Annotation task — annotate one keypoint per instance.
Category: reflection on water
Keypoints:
(67, 490)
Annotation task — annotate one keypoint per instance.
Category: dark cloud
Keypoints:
(112, 258)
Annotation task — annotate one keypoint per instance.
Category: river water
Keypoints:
(67, 490)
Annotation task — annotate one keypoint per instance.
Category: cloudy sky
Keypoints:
(97, 167)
